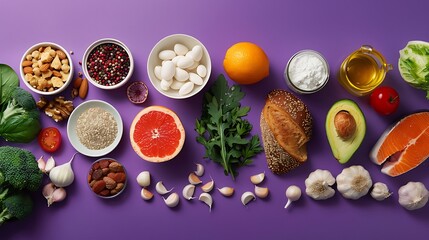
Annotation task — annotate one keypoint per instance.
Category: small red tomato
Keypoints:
(384, 100)
(49, 139)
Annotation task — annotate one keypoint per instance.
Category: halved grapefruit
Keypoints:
(404, 146)
(157, 134)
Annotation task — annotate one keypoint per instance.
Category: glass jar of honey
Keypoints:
(363, 70)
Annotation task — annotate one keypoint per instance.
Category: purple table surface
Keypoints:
(281, 28)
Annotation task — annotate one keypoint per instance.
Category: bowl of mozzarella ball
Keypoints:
(179, 66)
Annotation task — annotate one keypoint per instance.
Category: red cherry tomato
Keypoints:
(49, 139)
(384, 100)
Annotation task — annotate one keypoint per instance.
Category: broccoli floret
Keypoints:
(17, 206)
(20, 102)
(19, 168)
(19, 117)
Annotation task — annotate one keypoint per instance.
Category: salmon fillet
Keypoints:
(404, 146)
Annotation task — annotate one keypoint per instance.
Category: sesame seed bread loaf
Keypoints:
(286, 126)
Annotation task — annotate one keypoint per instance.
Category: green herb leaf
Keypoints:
(223, 131)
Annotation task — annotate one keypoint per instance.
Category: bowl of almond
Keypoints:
(46, 68)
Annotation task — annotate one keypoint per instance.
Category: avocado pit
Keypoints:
(345, 125)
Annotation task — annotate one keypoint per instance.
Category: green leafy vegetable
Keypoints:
(222, 129)
(8, 81)
(19, 175)
(414, 65)
(19, 120)
(19, 116)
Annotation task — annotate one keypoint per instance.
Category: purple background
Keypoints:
(281, 28)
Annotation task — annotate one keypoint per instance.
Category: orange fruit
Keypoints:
(157, 134)
(246, 63)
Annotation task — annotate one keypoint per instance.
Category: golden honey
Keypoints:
(363, 70)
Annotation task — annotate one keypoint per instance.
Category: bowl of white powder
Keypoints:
(95, 128)
(306, 72)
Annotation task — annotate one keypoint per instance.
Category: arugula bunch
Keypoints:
(223, 131)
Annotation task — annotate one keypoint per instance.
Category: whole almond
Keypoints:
(28, 70)
(27, 63)
(44, 67)
(116, 167)
(57, 74)
(83, 89)
(110, 183)
(105, 192)
(104, 163)
(61, 54)
(77, 82)
(97, 174)
(98, 186)
(118, 177)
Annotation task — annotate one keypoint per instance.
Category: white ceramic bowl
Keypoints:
(56, 47)
(110, 160)
(72, 122)
(168, 43)
(92, 47)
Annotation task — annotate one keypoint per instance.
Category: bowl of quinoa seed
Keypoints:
(95, 128)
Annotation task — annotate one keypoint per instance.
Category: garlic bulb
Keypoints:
(318, 185)
(413, 195)
(293, 193)
(62, 175)
(380, 191)
(354, 182)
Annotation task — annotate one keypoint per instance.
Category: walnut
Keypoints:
(58, 109)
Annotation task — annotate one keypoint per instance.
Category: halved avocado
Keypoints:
(345, 128)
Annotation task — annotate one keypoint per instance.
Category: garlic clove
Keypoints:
(143, 179)
(258, 178)
(160, 188)
(172, 200)
(47, 190)
(194, 179)
(41, 164)
(226, 191)
(58, 195)
(146, 194)
(293, 193)
(208, 187)
(188, 191)
(50, 163)
(246, 197)
(200, 170)
(207, 199)
(261, 192)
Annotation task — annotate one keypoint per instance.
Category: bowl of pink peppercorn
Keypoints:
(108, 63)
